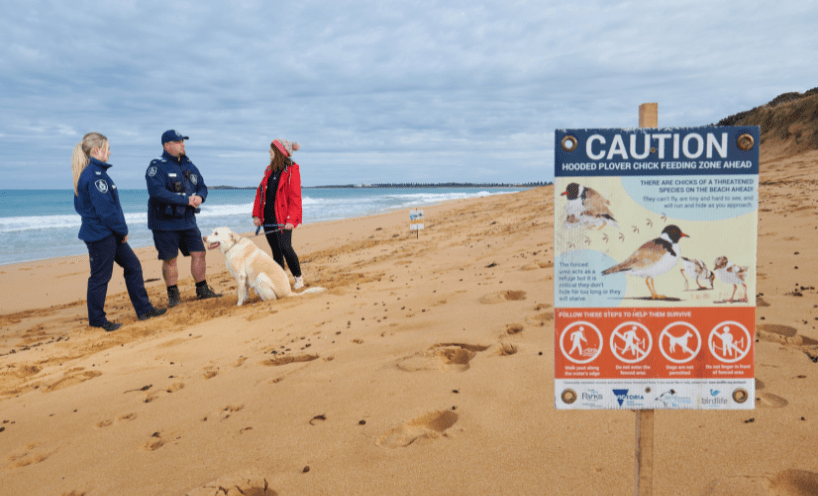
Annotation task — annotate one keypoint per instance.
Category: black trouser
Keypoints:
(281, 243)
(102, 254)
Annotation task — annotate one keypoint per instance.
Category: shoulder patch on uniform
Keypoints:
(193, 179)
(152, 170)
(101, 185)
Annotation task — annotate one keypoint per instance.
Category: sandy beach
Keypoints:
(425, 368)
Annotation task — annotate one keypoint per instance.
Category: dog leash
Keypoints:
(280, 228)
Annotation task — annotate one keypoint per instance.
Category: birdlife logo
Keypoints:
(714, 399)
(729, 341)
(585, 342)
(631, 342)
(623, 398)
(152, 170)
(680, 342)
(102, 186)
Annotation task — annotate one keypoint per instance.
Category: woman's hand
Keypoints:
(256, 221)
(289, 227)
(125, 239)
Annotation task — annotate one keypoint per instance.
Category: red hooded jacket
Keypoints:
(288, 197)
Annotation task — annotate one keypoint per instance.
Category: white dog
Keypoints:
(251, 267)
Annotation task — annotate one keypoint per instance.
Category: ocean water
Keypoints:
(40, 224)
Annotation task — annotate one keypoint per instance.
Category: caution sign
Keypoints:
(655, 235)
(415, 219)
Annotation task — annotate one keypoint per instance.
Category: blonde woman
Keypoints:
(104, 231)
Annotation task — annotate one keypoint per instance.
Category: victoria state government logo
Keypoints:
(622, 396)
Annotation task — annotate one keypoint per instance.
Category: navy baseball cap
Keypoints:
(172, 135)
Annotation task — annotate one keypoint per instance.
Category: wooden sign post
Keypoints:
(648, 117)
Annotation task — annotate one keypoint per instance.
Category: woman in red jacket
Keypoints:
(278, 205)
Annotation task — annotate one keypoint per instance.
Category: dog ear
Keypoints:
(235, 237)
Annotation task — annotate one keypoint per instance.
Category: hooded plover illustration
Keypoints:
(697, 270)
(653, 258)
(586, 208)
(731, 274)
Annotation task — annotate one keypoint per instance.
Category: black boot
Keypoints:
(154, 312)
(174, 298)
(203, 291)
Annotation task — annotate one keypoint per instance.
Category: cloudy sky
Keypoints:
(376, 91)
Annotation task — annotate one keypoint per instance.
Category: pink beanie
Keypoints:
(286, 147)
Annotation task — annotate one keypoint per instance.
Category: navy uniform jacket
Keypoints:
(171, 182)
(97, 202)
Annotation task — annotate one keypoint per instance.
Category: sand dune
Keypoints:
(426, 368)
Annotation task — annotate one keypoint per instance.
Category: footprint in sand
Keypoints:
(770, 400)
(154, 444)
(109, 422)
(454, 358)
(176, 386)
(247, 483)
(789, 482)
(502, 296)
(793, 482)
(72, 380)
(448, 357)
(275, 362)
(541, 318)
(425, 428)
(783, 334)
(506, 349)
(537, 265)
(224, 413)
(24, 462)
(514, 328)
(25, 457)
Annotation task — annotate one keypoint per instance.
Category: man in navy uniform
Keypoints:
(176, 190)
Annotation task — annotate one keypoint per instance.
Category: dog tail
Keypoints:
(309, 291)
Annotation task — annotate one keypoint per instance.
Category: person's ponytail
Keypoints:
(79, 161)
(82, 154)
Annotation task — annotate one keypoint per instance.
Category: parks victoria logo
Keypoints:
(591, 397)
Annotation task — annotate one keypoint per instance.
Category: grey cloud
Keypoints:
(376, 91)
